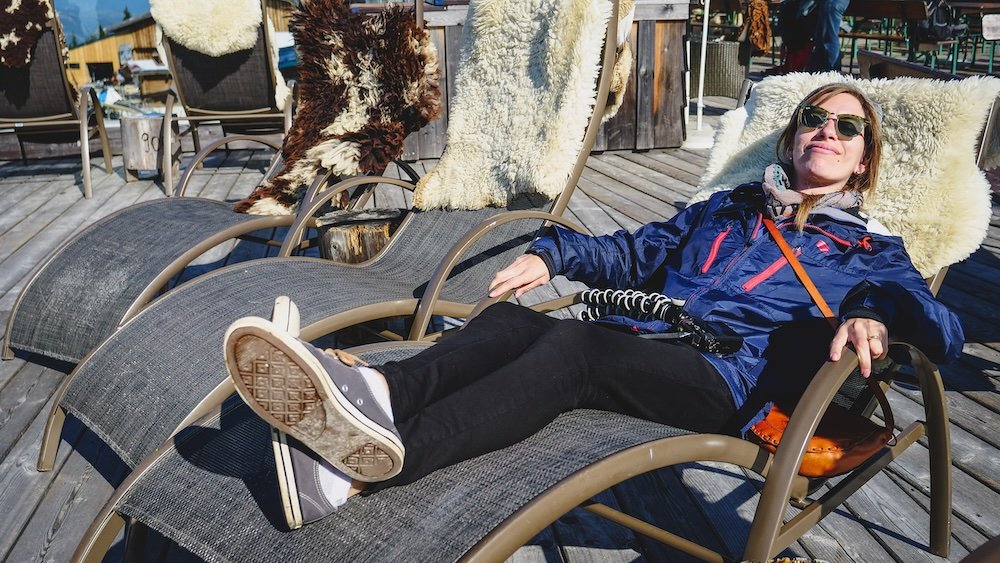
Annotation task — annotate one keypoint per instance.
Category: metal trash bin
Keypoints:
(724, 73)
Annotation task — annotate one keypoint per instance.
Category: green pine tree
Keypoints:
(100, 32)
(127, 15)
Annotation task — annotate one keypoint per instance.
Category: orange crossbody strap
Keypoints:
(800, 272)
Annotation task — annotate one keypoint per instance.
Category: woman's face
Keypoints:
(822, 161)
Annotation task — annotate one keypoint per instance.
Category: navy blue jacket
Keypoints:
(718, 257)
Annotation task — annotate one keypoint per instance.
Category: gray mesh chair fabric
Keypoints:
(84, 290)
(238, 81)
(164, 361)
(216, 495)
(38, 104)
(36, 90)
(231, 86)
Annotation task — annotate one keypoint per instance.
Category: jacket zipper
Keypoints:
(767, 272)
(714, 252)
(748, 246)
(831, 236)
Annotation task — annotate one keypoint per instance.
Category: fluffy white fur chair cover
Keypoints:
(524, 93)
(929, 189)
(213, 27)
(216, 28)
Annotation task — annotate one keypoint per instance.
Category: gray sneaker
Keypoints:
(313, 397)
(302, 497)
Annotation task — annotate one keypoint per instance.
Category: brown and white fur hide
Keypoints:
(365, 83)
(21, 23)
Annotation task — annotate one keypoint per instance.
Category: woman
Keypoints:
(510, 371)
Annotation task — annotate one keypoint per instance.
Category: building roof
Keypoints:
(134, 21)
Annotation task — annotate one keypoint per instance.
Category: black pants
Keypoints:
(511, 371)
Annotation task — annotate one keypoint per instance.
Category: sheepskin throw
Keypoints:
(212, 27)
(525, 89)
(21, 23)
(929, 190)
(622, 68)
(365, 83)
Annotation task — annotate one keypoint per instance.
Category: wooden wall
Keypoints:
(142, 38)
(279, 12)
(651, 115)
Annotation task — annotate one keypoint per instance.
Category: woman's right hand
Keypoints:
(523, 275)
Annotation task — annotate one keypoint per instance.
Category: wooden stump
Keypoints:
(141, 148)
(355, 236)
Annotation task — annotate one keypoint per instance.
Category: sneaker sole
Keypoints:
(286, 386)
(287, 486)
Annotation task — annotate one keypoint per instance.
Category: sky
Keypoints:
(81, 17)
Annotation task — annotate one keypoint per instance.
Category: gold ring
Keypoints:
(873, 337)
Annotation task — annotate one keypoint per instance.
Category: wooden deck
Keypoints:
(45, 514)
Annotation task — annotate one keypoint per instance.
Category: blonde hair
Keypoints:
(862, 183)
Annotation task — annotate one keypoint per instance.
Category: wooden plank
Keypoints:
(696, 156)
(974, 492)
(431, 138)
(71, 503)
(590, 216)
(670, 192)
(678, 160)
(53, 225)
(668, 84)
(970, 376)
(543, 548)
(969, 304)
(667, 169)
(25, 198)
(7, 370)
(846, 541)
(660, 499)
(63, 195)
(22, 399)
(586, 537)
(645, 85)
(972, 503)
(631, 209)
(728, 500)
(623, 220)
(21, 265)
(619, 131)
(899, 523)
(661, 203)
(22, 487)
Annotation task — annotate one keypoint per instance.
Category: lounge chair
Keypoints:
(221, 470)
(100, 278)
(38, 104)
(439, 262)
(235, 90)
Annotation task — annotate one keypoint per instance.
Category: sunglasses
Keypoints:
(848, 126)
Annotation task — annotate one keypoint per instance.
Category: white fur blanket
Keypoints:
(929, 190)
(212, 27)
(524, 92)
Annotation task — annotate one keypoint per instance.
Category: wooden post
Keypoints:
(140, 144)
(355, 236)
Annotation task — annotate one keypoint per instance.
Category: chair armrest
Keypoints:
(430, 298)
(201, 156)
(794, 441)
(315, 199)
(290, 100)
(88, 99)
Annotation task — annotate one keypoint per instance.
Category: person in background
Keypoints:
(810, 35)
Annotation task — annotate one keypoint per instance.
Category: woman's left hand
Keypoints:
(869, 337)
